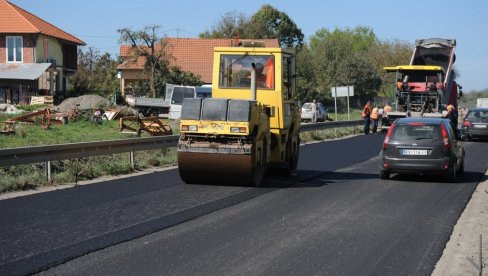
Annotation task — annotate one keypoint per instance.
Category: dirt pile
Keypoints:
(83, 102)
(9, 109)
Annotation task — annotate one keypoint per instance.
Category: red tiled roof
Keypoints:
(16, 20)
(191, 54)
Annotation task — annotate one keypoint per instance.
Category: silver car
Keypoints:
(322, 112)
(422, 146)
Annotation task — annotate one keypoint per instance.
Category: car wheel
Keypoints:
(452, 176)
(461, 169)
(384, 174)
(465, 137)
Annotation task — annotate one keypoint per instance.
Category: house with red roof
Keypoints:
(36, 57)
(193, 55)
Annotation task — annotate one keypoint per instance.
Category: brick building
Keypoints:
(36, 57)
(193, 55)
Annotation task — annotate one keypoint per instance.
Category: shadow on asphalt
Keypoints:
(308, 179)
(477, 139)
(468, 177)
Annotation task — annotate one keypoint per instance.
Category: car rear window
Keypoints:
(307, 106)
(416, 132)
(477, 114)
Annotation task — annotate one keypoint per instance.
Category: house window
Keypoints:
(14, 48)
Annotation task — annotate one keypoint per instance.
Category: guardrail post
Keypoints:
(131, 159)
(48, 171)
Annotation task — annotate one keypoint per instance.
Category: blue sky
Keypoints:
(96, 22)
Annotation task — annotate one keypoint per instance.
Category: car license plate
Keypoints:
(479, 126)
(414, 152)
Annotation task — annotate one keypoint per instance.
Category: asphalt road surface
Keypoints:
(333, 217)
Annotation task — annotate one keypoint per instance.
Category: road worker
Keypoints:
(384, 119)
(375, 117)
(366, 114)
(314, 111)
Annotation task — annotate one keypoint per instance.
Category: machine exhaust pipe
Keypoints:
(253, 82)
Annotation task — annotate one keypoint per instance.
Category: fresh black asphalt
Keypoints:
(333, 217)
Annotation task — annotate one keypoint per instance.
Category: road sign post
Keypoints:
(335, 102)
(342, 91)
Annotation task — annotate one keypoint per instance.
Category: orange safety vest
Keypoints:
(374, 114)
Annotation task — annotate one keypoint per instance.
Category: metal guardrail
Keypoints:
(17, 156)
(26, 155)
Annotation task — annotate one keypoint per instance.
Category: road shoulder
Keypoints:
(466, 253)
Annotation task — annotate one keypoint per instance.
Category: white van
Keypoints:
(176, 93)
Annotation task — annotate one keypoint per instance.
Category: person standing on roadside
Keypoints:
(386, 110)
(366, 116)
(314, 111)
(375, 117)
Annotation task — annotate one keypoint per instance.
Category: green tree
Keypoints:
(231, 24)
(389, 53)
(96, 74)
(105, 75)
(306, 83)
(79, 82)
(269, 23)
(145, 43)
(340, 58)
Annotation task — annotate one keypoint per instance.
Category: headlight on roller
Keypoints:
(189, 128)
(238, 129)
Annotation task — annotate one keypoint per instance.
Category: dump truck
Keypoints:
(250, 124)
(427, 85)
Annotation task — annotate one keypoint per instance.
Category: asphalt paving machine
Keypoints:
(427, 85)
(250, 124)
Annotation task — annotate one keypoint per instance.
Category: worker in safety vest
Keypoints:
(375, 117)
(387, 109)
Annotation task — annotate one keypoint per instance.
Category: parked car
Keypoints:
(422, 146)
(322, 112)
(475, 124)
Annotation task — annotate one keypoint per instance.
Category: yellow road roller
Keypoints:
(250, 124)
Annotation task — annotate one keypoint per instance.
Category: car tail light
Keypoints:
(445, 166)
(385, 165)
(467, 123)
(387, 137)
(445, 137)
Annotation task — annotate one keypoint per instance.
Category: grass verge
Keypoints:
(326, 134)
(32, 176)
